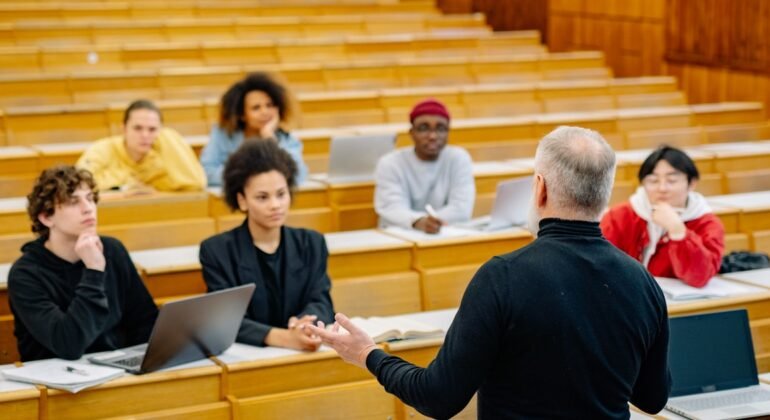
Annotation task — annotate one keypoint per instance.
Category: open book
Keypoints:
(675, 289)
(395, 328)
(63, 374)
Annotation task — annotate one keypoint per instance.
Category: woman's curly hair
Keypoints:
(232, 102)
(255, 157)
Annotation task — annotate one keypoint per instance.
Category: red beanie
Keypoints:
(428, 107)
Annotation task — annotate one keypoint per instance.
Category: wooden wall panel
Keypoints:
(455, 6)
(629, 32)
(508, 15)
(718, 49)
(722, 33)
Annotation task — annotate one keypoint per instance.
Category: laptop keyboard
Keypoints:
(718, 401)
(131, 362)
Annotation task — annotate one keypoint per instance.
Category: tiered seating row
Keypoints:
(204, 82)
(249, 382)
(18, 11)
(207, 53)
(45, 124)
(232, 29)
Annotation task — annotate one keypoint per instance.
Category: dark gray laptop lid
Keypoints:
(711, 352)
(196, 328)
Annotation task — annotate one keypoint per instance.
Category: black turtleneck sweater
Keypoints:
(65, 310)
(566, 327)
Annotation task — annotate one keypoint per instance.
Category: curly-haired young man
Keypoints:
(73, 291)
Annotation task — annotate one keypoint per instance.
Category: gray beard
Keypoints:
(533, 219)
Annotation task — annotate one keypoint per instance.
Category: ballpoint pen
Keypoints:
(75, 370)
(431, 211)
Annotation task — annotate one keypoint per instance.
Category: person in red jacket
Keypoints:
(666, 225)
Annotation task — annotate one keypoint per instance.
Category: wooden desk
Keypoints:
(120, 208)
(18, 400)
(755, 209)
(259, 375)
(372, 274)
(18, 169)
(182, 386)
(170, 271)
(352, 205)
(13, 215)
(63, 153)
(370, 271)
(446, 265)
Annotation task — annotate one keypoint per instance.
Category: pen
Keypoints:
(431, 211)
(75, 370)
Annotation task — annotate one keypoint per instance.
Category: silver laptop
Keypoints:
(186, 330)
(354, 158)
(713, 370)
(510, 208)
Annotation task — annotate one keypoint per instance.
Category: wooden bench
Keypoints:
(239, 52)
(210, 81)
(13, 12)
(228, 29)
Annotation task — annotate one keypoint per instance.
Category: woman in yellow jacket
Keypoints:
(145, 155)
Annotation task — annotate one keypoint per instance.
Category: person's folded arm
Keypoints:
(696, 258)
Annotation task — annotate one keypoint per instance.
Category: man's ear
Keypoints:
(692, 185)
(541, 192)
(45, 220)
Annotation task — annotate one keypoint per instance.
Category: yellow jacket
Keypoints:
(171, 164)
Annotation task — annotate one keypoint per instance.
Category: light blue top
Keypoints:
(221, 146)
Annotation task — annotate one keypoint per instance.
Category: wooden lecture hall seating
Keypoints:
(68, 69)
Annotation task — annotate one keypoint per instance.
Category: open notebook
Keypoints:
(63, 374)
(395, 328)
(675, 289)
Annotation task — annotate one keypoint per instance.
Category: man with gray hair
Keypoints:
(566, 327)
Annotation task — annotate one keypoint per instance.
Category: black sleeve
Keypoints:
(653, 384)
(319, 301)
(215, 274)
(469, 352)
(66, 333)
(140, 311)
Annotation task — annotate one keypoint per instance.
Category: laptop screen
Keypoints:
(512, 202)
(711, 352)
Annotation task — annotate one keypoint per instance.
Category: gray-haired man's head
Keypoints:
(578, 168)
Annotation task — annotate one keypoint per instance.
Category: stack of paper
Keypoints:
(675, 289)
(760, 277)
(63, 374)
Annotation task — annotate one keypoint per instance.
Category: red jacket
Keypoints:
(694, 259)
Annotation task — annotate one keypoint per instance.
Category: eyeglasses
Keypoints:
(425, 129)
(652, 181)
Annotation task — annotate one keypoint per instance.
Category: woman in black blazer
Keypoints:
(288, 265)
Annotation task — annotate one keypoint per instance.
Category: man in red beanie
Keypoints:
(430, 184)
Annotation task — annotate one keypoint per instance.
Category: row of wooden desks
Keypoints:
(275, 382)
(372, 272)
(244, 376)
